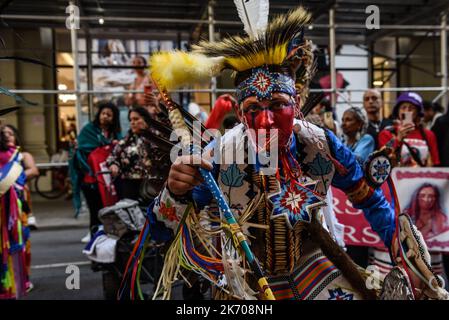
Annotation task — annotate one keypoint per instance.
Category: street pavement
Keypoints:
(55, 245)
(56, 248)
(52, 251)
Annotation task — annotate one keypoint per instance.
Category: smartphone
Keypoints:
(407, 117)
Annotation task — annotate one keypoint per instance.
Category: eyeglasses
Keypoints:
(273, 106)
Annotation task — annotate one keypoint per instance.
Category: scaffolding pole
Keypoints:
(408, 27)
(90, 84)
(444, 59)
(42, 91)
(333, 71)
(213, 81)
(76, 73)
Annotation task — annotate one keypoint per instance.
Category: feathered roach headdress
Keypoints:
(272, 57)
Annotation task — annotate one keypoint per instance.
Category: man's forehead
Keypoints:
(275, 96)
(372, 92)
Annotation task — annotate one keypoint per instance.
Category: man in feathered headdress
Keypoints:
(281, 214)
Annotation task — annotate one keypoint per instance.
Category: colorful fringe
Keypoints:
(182, 253)
(13, 269)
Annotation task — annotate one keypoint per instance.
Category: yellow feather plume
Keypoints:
(243, 52)
(175, 69)
(274, 55)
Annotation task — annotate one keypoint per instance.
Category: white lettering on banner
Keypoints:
(349, 233)
(336, 202)
(368, 232)
(350, 210)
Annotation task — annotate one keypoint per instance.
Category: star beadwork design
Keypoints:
(296, 202)
(262, 82)
(380, 169)
(339, 294)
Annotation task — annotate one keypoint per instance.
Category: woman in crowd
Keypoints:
(14, 233)
(104, 130)
(29, 165)
(141, 81)
(130, 159)
(414, 146)
(354, 126)
(11, 137)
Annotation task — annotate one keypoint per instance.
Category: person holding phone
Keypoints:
(142, 82)
(415, 146)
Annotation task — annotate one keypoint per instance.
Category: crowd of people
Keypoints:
(415, 130)
(132, 159)
(16, 219)
(287, 216)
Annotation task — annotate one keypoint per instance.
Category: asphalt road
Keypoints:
(52, 251)
(55, 250)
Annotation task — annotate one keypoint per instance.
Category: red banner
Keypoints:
(423, 194)
(357, 231)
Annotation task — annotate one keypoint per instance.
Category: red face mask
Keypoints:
(280, 118)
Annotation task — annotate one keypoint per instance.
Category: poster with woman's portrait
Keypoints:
(423, 194)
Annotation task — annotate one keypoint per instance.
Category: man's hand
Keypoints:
(404, 130)
(184, 175)
(150, 99)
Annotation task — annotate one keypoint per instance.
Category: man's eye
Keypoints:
(252, 108)
(278, 105)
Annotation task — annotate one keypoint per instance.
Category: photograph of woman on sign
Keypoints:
(426, 211)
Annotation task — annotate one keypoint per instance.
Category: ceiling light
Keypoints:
(101, 21)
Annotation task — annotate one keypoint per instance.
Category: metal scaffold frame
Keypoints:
(211, 22)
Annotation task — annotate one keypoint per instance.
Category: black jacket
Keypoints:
(441, 130)
(373, 130)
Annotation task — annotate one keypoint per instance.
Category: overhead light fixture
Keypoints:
(67, 97)
(310, 27)
(101, 21)
(378, 83)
